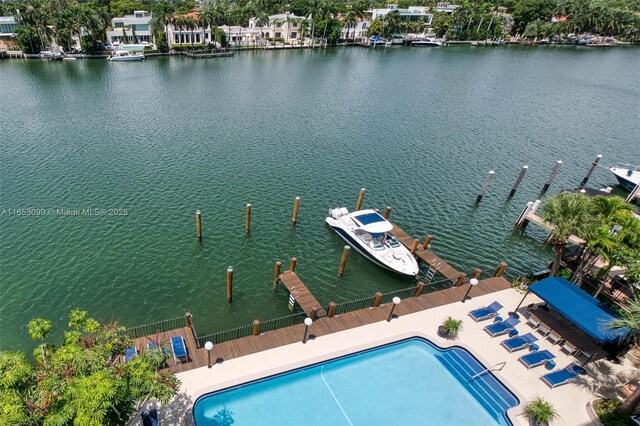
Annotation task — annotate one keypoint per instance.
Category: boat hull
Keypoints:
(627, 181)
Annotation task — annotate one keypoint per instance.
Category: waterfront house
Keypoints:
(131, 29)
(8, 26)
(444, 7)
(412, 13)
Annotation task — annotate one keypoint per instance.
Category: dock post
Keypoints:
(187, 319)
(419, 289)
(247, 221)
(633, 194)
(414, 245)
(501, 268)
(256, 328)
(229, 284)
(460, 280)
(199, 224)
(387, 212)
(360, 198)
(485, 186)
(522, 219)
(296, 206)
(476, 273)
(276, 275)
(314, 312)
(593, 166)
(518, 180)
(292, 264)
(343, 260)
(332, 309)
(552, 176)
(427, 242)
(377, 300)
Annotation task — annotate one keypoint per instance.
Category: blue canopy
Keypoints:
(582, 309)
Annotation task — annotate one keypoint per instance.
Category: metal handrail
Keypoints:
(486, 370)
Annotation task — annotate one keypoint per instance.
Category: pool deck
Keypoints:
(570, 400)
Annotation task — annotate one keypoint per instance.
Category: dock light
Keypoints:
(473, 282)
(307, 323)
(208, 346)
(396, 302)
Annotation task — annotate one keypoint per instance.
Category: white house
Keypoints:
(446, 7)
(412, 13)
(125, 28)
(8, 26)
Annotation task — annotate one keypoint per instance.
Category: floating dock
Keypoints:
(299, 293)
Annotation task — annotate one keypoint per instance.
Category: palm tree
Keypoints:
(630, 321)
(261, 21)
(275, 23)
(304, 25)
(570, 214)
(351, 20)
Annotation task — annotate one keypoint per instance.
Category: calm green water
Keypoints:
(418, 128)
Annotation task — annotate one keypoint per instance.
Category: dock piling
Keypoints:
(419, 289)
(377, 300)
(296, 206)
(387, 212)
(187, 319)
(485, 186)
(591, 169)
(518, 180)
(501, 268)
(229, 284)
(276, 275)
(552, 176)
(199, 224)
(360, 198)
(247, 222)
(460, 280)
(332, 309)
(292, 264)
(633, 194)
(476, 273)
(414, 245)
(256, 328)
(343, 260)
(427, 242)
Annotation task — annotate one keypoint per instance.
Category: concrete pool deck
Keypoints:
(570, 400)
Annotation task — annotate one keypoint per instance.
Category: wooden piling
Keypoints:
(485, 186)
(247, 221)
(296, 206)
(476, 273)
(377, 300)
(518, 180)
(314, 312)
(427, 242)
(276, 275)
(360, 198)
(187, 319)
(256, 328)
(633, 194)
(591, 169)
(387, 212)
(229, 284)
(553, 174)
(460, 280)
(343, 260)
(292, 264)
(199, 224)
(501, 268)
(414, 245)
(332, 309)
(419, 289)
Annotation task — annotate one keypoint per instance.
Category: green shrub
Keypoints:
(540, 411)
(607, 411)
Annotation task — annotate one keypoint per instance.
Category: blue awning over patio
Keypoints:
(579, 307)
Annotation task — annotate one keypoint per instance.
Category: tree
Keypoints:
(275, 23)
(570, 214)
(39, 329)
(85, 380)
(261, 21)
(630, 321)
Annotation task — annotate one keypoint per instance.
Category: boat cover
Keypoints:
(372, 222)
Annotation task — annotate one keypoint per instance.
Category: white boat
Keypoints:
(368, 233)
(126, 55)
(628, 177)
(52, 55)
(426, 42)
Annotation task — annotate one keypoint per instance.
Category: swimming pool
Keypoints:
(411, 382)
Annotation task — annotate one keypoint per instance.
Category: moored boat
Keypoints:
(426, 42)
(627, 177)
(368, 233)
(126, 56)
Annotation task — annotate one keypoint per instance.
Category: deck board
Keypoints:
(302, 295)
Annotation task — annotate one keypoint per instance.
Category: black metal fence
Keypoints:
(354, 305)
(402, 294)
(282, 322)
(154, 328)
(226, 335)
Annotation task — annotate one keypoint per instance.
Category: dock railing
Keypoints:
(154, 328)
(354, 305)
(225, 335)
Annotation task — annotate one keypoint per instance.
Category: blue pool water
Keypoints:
(406, 383)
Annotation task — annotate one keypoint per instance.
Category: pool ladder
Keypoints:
(486, 370)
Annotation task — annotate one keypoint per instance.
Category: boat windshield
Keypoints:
(393, 242)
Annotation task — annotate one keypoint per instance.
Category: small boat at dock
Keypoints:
(52, 55)
(426, 42)
(126, 56)
(628, 177)
(368, 233)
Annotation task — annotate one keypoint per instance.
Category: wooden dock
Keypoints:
(427, 256)
(321, 327)
(537, 220)
(299, 293)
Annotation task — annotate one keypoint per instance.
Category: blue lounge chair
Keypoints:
(536, 358)
(502, 327)
(518, 342)
(179, 349)
(561, 377)
(129, 353)
(486, 312)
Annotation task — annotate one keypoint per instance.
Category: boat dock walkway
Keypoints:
(537, 220)
(299, 293)
(427, 256)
